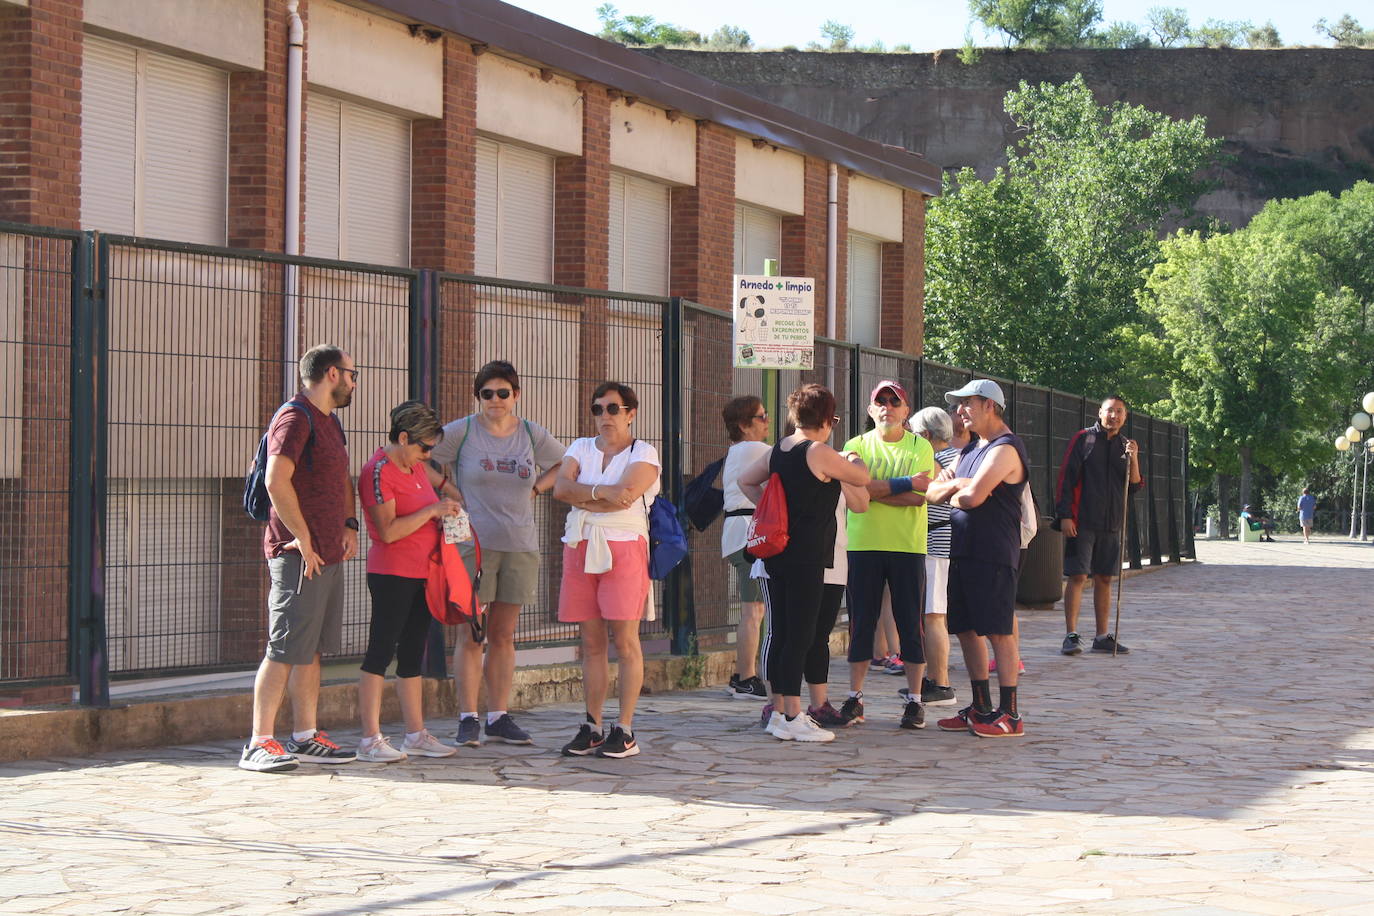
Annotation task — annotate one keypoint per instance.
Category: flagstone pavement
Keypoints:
(1224, 766)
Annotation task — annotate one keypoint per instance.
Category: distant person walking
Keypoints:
(1307, 510)
(1089, 510)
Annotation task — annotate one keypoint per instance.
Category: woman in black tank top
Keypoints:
(810, 472)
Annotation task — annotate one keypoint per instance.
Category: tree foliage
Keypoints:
(1261, 347)
(1168, 24)
(1032, 272)
(643, 31)
(1346, 32)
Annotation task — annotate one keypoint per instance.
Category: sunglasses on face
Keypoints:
(353, 373)
(489, 393)
(883, 400)
(612, 409)
(425, 447)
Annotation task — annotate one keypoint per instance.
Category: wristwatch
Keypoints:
(351, 523)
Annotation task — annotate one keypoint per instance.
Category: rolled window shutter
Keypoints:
(108, 121)
(322, 176)
(762, 239)
(186, 158)
(864, 293)
(487, 208)
(375, 187)
(617, 254)
(525, 233)
(646, 237)
(739, 239)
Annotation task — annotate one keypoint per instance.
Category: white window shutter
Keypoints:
(322, 176)
(616, 256)
(762, 239)
(487, 209)
(375, 187)
(739, 239)
(646, 237)
(108, 120)
(525, 231)
(186, 150)
(864, 290)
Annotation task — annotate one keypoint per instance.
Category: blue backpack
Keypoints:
(256, 502)
(702, 500)
(667, 540)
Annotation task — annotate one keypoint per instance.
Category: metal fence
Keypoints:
(138, 376)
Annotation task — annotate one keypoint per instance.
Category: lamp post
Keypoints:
(1343, 444)
(1364, 487)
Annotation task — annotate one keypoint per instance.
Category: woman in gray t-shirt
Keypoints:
(500, 464)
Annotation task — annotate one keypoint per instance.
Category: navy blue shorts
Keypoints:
(982, 597)
(1093, 553)
(904, 575)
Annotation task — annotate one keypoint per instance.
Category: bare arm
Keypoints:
(389, 528)
(855, 498)
(1002, 465)
(827, 463)
(752, 479)
(282, 492)
(544, 483)
(881, 490)
(441, 482)
(639, 476)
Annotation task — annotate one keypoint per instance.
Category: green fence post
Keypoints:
(87, 639)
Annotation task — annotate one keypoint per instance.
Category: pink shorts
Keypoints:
(619, 594)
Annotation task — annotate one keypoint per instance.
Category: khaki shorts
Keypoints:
(748, 587)
(302, 623)
(508, 576)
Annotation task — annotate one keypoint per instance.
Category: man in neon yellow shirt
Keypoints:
(887, 547)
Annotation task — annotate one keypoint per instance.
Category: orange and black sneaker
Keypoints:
(619, 743)
(318, 748)
(586, 743)
(267, 757)
(999, 725)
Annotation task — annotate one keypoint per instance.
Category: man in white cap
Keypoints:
(887, 547)
(984, 492)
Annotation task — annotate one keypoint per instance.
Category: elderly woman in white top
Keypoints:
(746, 422)
(609, 480)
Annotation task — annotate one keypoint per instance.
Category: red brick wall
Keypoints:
(443, 170)
(582, 199)
(702, 223)
(804, 239)
(903, 282)
(40, 113)
(257, 141)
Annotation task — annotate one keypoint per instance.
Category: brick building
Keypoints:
(466, 136)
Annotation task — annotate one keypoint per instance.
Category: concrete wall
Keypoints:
(1297, 120)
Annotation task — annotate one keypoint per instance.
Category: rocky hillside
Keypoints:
(1294, 120)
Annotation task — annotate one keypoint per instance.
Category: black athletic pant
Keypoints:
(400, 623)
(794, 597)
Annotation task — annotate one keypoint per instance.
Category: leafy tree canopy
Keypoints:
(1032, 272)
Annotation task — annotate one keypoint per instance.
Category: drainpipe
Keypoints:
(295, 58)
(832, 249)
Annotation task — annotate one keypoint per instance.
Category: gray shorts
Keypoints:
(508, 576)
(302, 624)
(748, 588)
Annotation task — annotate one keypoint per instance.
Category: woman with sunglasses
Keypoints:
(609, 480)
(401, 509)
(811, 473)
(500, 463)
(747, 424)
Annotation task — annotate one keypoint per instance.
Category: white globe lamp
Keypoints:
(1360, 421)
(1368, 403)
(1352, 434)
(1342, 444)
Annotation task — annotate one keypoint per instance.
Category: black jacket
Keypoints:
(1091, 478)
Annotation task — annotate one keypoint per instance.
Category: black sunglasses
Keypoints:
(352, 372)
(887, 401)
(489, 393)
(612, 409)
(425, 447)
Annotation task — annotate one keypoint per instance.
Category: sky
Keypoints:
(924, 24)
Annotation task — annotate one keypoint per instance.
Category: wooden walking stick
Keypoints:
(1121, 542)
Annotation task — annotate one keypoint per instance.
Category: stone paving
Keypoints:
(1225, 766)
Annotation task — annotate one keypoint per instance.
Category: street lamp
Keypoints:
(1364, 488)
(1368, 403)
(1343, 444)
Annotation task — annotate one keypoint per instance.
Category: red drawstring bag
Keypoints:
(768, 527)
(450, 594)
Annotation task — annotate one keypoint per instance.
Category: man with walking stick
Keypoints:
(1101, 468)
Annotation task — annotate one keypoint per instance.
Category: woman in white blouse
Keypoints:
(609, 480)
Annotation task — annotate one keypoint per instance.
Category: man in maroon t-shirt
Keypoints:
(311, 531)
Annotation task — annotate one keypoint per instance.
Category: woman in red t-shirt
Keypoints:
(401, 508)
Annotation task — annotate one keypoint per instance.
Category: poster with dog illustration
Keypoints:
(774, 322)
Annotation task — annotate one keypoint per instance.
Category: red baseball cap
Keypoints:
(897, 389)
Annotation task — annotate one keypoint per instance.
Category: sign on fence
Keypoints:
(774, 322)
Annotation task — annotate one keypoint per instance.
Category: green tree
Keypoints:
(1033, 272)
(1022, 21)
(1263, 36)
(1346, 32)
(1257, 344)
(1169, 25)
(641, 30)
(839, 35)
(729, 38)
(1220, 33)
(1124, 35)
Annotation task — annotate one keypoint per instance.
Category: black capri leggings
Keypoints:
(400, 624)
(794, 596)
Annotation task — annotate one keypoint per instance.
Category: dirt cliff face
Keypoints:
(1294, 120)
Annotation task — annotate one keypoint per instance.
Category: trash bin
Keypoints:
(1042, 571)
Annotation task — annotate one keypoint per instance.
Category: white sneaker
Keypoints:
(777, 726)
(805, 728)
(428, 746)
(379, 751)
